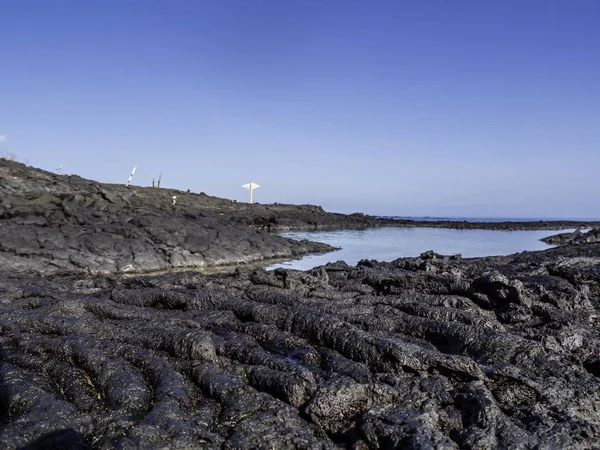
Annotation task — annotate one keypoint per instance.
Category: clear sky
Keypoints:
(422, 107)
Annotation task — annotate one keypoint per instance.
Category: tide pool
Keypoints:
(389, 243)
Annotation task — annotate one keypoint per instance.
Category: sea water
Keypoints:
(389, 243)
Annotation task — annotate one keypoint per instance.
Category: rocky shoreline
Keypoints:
(429, 352)
(575, 238)
(51, 223)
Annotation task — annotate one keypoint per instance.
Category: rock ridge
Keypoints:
(428, 352)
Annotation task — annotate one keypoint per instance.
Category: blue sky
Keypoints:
(423, 107)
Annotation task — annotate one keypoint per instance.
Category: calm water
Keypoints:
(387, 244)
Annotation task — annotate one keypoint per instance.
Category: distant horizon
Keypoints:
(462, 108)
(507, 218)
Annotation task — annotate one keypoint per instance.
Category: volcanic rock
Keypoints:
(428, 352)
(481, 353)
(576, 237)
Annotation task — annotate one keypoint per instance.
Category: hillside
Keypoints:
(51, 222)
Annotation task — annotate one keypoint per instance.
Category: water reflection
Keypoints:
(387, 244)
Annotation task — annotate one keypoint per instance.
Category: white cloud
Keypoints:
(2, 138)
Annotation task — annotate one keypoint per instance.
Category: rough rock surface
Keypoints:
(577, 237)
(50, 223)
(431, 352)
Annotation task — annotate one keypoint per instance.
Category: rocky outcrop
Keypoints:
(50, 223)
(577, 237)
(429, 352)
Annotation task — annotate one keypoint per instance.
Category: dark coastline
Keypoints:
(373, 222)
(508, 226)
(50, 223)
(428, 352)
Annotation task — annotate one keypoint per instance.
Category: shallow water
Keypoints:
(387, 244)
